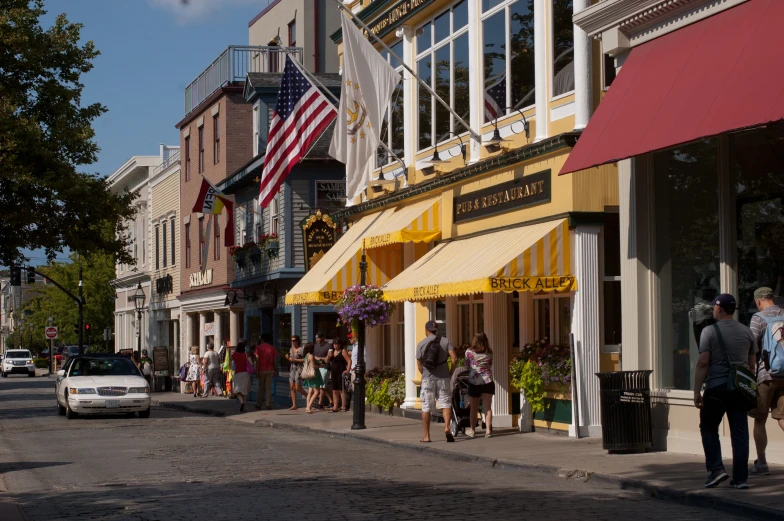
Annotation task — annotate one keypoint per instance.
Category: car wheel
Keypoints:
(68, 412)
(31, 375)
(60, 409)
(144, 414)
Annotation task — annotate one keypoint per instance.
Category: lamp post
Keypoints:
(138, 302)
(359, 377)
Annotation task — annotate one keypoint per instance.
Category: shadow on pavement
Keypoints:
(29, 465)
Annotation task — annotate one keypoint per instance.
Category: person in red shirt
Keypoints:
(266, 365)
(241, 381)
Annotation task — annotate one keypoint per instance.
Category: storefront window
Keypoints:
(542, 330)
(564, 307)
(563, 47)
(392, 125)
(686, 255)
(471, 314)
(757, 168)
(440, 317)
(611, 283)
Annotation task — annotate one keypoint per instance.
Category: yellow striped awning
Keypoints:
(536, 257)
(339, 268)
(419, 222)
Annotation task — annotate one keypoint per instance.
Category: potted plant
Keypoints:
(363, 303)
(238, 254)
(254, 252)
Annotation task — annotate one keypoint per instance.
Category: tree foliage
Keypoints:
(45, 135)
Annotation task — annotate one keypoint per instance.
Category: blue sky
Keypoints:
(150, 50)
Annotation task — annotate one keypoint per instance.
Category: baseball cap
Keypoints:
(431, 326)
(726, 302)
(763, 293)
(319, 335)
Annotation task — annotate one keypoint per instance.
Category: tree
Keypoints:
(98, 271)
(45, 134)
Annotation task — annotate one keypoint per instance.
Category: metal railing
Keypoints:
(172, 157)
(233, 65)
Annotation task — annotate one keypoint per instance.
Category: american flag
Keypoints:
(301, 114)
(495, 98)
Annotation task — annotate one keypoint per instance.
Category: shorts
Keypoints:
(770, 400)
(476, 391)
(435, 392)
(324, 377)
(295, 374)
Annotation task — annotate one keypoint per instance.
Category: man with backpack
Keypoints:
(766, 326)
(431, 355)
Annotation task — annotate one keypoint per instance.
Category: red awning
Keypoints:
(723, 73)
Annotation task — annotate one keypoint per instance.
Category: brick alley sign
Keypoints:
(319, 234)
(505, 197)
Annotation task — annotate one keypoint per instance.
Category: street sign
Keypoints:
(51, 333)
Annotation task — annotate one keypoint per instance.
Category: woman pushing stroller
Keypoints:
(479, 361)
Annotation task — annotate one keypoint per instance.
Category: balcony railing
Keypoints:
(233, 65)
(171, 156)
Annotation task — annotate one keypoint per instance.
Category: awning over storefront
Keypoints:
(419, 222)
(537, 257)
(339, 268)
(720, 74)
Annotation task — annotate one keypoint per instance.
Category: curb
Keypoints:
(663, 492)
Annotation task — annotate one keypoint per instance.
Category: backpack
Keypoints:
(431, 354)
(773, 345)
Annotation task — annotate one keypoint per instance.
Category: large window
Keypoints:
(442, 62)
(274, 217)
(163, 256)
(508, 56)
(171, 233)
(217, 247)
(201, 241)
(563, 47)
(187, 158)
(611, 283)
(292, 33)
(256, 122)
(471, 318)
(201, 149)
(553, 317)
(187, 245)
(158, 247)
(392, 126)
(216, 139)
(687, 264)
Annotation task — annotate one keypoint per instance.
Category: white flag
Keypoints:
(368, 82)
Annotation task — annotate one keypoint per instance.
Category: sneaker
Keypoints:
(715, 477)
(743, 485)
(759, 469)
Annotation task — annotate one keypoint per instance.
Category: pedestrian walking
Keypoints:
(266, 365)
(241, 381)
(479, 361)
(723, 346)
(431, 355)
(340, 367)
(213, 377)
(770, 390)
(146, 367)
(321, 350)
(194, 371)
(311, 376)
(296, 358)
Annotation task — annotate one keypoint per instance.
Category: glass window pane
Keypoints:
(758, 188)
(687, 255)
(479, 309)
(564, 305)
(460, 15)
(440, 311)
(396, 125)
(612, 312)
(460, 63)
(397, 49)
(489, 4)
(521, 23)
(443, 61)
(424, 38)
(464, 324)
(612, 245)
(442, 29)
(542, 319)
(425, 104)
(494, 49)
(563, 52)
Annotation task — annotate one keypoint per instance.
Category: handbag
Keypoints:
(741, 382)
(184, 371)
(308, 371)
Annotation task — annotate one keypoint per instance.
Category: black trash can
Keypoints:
(626, 410)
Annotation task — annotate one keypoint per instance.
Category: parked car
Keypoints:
(101, 384)
(58, 356)
(70, 351)
(18, 361)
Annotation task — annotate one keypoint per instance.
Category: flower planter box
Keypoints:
(272, 249)
(255, 254)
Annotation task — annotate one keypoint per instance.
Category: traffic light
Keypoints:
(87, 329)
(30, 275)
(76, 329)
(16, 275)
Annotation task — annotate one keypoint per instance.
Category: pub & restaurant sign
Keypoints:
(319, 234)
(513, 195)
(392, 17)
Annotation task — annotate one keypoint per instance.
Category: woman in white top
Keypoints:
(194, 371)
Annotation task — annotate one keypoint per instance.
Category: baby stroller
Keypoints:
(461, 405)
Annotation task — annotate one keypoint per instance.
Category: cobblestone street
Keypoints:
(183, 466)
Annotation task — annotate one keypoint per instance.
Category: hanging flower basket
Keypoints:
(238, 254)
(254, 252)
(272, 247)
(363, 303)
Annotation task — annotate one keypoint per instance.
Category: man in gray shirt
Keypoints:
(435, 390)
(713, 369)
(770, 391)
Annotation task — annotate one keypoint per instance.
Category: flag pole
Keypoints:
(315, 80)
(425, 85)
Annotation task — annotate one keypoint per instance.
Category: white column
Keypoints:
(409, 98)
(497, 330)
(526, 321)
(218, 323)
(540, 67)
(476, 89)
(585, 326)
(202, 338)
(234, 326)
(409, 318)
(583, 69)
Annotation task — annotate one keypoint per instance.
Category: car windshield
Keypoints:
(18, 354)
(103, 367)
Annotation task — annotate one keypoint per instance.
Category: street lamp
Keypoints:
(138, 302)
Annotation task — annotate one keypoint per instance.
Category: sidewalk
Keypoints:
(676, 477)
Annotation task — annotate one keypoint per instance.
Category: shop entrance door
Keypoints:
(326, 323)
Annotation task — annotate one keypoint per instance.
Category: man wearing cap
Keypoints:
(435, 392)
(727, 338)
(320, 350)
(770, 391)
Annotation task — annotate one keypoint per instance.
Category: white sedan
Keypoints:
(96, 384)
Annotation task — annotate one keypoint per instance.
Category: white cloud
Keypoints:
(190, 11)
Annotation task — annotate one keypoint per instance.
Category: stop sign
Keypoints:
(51, 333)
